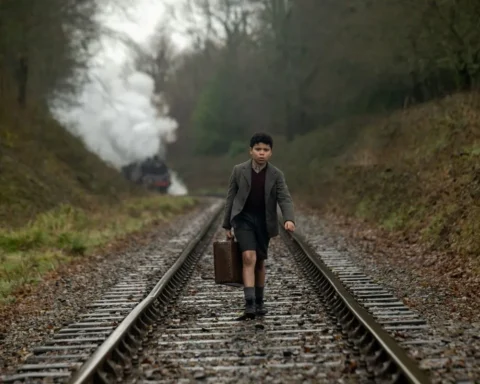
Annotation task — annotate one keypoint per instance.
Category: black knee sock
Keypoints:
(249, 293)
(259, 293)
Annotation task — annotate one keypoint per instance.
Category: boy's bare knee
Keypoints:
(249, 258)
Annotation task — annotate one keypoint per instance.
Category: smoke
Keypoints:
(116, 118)
(177, 188)
(118, 115)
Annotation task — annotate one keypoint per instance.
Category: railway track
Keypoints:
(201, 338)
(431, 350)
(185, 329)
(71, 346)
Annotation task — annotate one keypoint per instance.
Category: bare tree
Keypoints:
(157, 59)
(43, 43)
(307, 63)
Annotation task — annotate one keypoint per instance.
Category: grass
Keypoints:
(66, 233)
(213, 191)
(42, 166)
(59, 201)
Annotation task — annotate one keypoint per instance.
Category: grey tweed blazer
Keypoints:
(276, 192)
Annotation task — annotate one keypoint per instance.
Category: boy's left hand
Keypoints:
(289, 226)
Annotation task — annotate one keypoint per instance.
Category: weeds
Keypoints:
(66, 233)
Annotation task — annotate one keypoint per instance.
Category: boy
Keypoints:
(255, 188)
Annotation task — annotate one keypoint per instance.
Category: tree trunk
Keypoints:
(22, 80)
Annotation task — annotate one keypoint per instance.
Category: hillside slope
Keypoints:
(415, 172)
(42, 166)
(59, 203)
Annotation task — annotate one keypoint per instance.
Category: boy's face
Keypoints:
(261, 153)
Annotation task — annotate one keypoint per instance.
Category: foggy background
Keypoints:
(117, 113)
(191, 80)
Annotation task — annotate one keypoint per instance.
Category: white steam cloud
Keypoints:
(116, 117)
(118, 114)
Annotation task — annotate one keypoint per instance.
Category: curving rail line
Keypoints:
(382, 358)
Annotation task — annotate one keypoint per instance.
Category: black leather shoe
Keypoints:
(249, 312)
(260, 308)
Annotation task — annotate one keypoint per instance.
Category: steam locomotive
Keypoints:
(152, 172)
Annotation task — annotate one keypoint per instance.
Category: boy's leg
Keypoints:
(260, 273)
(246, 239)
(249, 260)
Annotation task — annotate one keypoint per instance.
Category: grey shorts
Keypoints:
(251, 234)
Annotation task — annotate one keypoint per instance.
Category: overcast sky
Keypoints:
(144, 16)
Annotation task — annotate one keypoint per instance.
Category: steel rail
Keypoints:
(127, 337)
(384, 354)
(385, 359)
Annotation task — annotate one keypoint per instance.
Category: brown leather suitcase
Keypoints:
(227, 261)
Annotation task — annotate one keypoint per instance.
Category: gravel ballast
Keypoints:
(452, 318)
(61, 297)
(201, 339)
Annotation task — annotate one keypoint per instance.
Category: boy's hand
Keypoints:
(229, 234)
(290, 226)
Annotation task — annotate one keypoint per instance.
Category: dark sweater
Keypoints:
(255, 204)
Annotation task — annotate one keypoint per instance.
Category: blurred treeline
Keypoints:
(43, 45)
(289, 67)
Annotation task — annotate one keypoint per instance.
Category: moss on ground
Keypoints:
(42, 166)
(67, 232)
(58, 201)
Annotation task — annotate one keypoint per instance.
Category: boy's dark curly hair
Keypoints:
(261, 137)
